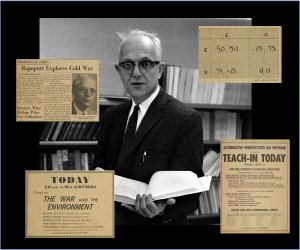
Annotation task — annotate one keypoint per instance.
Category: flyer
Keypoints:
(255, 186)
(70, 204)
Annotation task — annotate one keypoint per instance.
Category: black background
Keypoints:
(275, 116)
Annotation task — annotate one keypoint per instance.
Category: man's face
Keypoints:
(85, 92)
(139, 84)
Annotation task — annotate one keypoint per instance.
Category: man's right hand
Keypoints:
(146, 207)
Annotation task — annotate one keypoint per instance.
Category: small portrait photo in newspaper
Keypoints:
(84, 93)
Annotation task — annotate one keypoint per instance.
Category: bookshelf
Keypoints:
(68, 143)
(212, 219)
(222, 120)
(226, 114)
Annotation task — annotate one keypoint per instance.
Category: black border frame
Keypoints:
(275, 115)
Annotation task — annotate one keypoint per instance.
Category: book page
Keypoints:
(127, 188)
(172, 182)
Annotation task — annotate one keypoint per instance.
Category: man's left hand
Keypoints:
(146, 207)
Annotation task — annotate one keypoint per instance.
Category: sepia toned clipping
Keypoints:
(57, 90)
(240, 54)
(66, 204)
(255, 186)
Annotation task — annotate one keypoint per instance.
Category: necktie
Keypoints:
(131, 127)
(129, 134)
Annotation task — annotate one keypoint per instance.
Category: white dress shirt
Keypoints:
(143, 107)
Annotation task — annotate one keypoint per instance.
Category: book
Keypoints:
(45, 131)
(71, 131)
(76, 131)
(84, 129)
(214, 94)
(188, 86)
(91, 131)
(57, 131)
(59, 157)
(195, 85)
(170, 79)
(65, 131)
(54, 162)
(48, 136)
(162, 185)
(181, 84)
(205, 116)
(44, 161)
(163, 79)
(175, 82)
(65, 159)
(77, 157)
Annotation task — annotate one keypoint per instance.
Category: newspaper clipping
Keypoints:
(255, 186)
(70, 204)
(57, 90)
(234, 54)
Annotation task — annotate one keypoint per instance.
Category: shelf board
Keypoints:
(68, 143)
(211, 142)
(204, 219)
(219, 106)
(204, 216)
(215, 178)
(106, 101)
(110, 101)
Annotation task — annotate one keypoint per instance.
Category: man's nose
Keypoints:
(88, 92)
(136, 71)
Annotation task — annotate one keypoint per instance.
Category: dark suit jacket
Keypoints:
(89, 110)
(170, 134)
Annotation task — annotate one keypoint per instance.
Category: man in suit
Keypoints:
(84, 92)
(168, 134)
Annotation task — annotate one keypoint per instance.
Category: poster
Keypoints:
(70, 204)
(255, 186)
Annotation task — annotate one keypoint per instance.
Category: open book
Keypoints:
(162, 185)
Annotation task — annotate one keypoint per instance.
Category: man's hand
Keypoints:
(99, 169)
(144, 206)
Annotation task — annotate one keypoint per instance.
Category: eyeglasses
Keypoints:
(90, 91)
(144, 66)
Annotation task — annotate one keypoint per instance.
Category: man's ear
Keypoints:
(162, 67)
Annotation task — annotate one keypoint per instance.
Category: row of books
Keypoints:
(221, 124)
(70, 131)
(209, 202)
(217, 125)
(63, 159)
(211, 163)
(184, 85)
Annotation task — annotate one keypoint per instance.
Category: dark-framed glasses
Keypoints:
(144, 66)
(89, 91)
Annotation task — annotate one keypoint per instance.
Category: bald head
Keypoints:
(136, 37)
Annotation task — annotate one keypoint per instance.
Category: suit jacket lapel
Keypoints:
(118, 134)
(153, 115)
